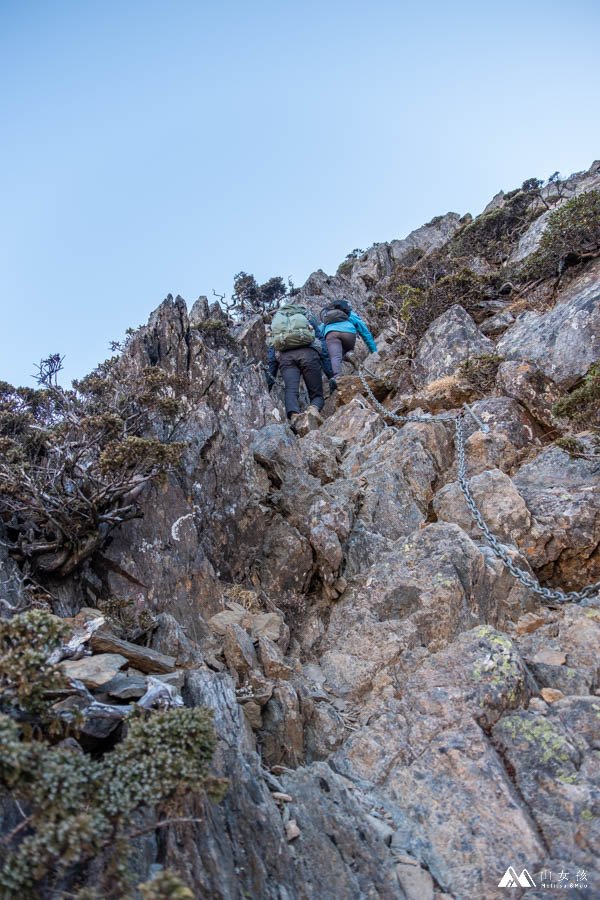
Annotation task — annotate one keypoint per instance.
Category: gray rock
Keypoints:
(497, 324)
(564, 342)
(99, 720)
(504, 511)
(125, 686)
(562, 494)
(143, 658)
(432, 585)
(170, 639)
(512, 434)
(554, 762)
(272, 660)
(416, 882)
(324, 730)
(322, 453)
(239, 650)
(426, 751)
(535, 391)
(448, 341)
(94, 671)
(332, 859)
(281, 737)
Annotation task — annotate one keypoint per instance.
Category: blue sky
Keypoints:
(160, 147)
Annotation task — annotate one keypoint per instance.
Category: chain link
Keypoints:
(529, 581)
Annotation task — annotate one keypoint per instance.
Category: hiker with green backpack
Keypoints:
(294, 339)
(340, 327)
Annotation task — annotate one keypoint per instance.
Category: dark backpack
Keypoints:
(332, 314)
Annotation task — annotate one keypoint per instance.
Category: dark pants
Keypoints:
(303, 361)
(338, 343)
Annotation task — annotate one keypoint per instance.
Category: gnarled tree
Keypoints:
(72, 462)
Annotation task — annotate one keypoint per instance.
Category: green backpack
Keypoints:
(290, 328)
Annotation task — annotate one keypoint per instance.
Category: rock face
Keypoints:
(397, 714)
(451, 339)
(564, 342)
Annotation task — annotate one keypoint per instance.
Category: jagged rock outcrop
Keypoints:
(397, 714)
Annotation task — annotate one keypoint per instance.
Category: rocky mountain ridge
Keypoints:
(397, 715)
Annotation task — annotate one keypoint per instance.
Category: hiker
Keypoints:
(340, 327)
(294, 350)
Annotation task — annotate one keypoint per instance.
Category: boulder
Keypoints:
(572, 636)
(239, 650)
(94, 671)
(125, 686)
(561, 492)
(553, 759)
(452, 338)
(427, 751)
(307, 421)
(565, 341)
(143, 658)
(281, 737)
(497, 324)
(535, 391)
(272, 660)
(432, 585)
(322, 453)
(504, 511)
(512, 435)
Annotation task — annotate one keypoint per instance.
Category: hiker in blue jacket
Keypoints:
(340, 327)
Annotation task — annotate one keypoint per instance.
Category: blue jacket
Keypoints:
(353, 324)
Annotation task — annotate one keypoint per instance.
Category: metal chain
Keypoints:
(447, 416)
(529, 581)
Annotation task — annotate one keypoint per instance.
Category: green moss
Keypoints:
(487, 632)
(550, 747)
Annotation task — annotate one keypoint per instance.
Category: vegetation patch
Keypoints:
(494, 234)
(74, 461)
(416, 296)
(571, 236)
(75, 808)
(480, 371)
(582, 405)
